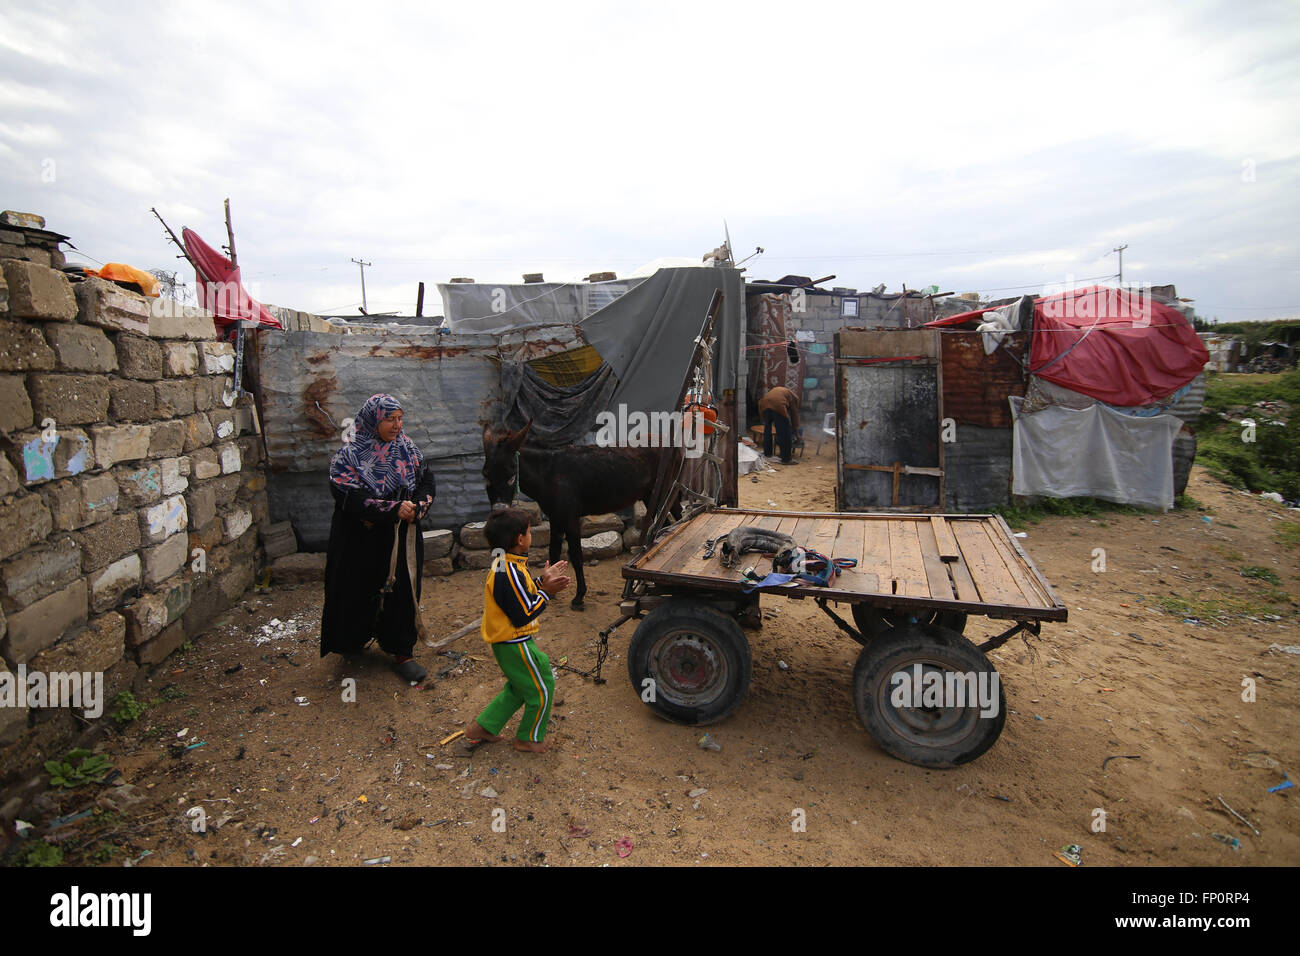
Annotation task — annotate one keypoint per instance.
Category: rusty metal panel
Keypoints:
(977, 468)
(975, 385)
(449, 386)
(858, 344)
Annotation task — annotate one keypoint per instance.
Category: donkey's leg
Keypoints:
(573, 533)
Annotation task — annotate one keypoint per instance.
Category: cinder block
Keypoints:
(110, 539)
(44, 622)
(140, 485)
(228, 455)
(168, 319)
(175, 398)
(24, 521)
(198, 432)
(109, 586)
(130, 401)
(148, 614)
(201, 505)
(139, 357)
(437, 544)
(98, 497)
(204, 464)
(115, 443)
(175, 472)
(39, 571)
(164, 560)
(216, 358)
(237, 523)
(15, 408)
(95, 648)
(180, 359)
(38, 292)
(23, 348)
(223, 423)
(167, 440)
(109, 306)
(161, 521)
(225, 487)
(163, 646)
(81, 348)
(68, 399)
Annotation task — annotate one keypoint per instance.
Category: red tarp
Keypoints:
(220, 290)
(1117, 346)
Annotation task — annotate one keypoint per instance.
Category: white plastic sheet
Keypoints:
(1068, 453)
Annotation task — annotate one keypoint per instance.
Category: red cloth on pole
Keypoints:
(221, 291)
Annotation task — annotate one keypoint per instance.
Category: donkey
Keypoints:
(569, 482)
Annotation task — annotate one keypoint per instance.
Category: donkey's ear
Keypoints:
(488, 438)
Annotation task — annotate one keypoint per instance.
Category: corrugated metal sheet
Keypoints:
(1189, 406)
(976, 386)
(449, 387)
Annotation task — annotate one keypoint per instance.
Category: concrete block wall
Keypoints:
(123, 450)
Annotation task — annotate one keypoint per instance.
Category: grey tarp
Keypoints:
(489, 307)
(649, 334)
(561, 415)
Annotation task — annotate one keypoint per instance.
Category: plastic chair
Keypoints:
(828, 429)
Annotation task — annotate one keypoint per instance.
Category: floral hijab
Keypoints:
(368, 463)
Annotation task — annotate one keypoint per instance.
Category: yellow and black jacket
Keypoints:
(512, 601)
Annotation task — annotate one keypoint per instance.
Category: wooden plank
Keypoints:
(962, 581)
(1044, 585)
(874, 557)
(943, 536)
(692, 540)
(905, 556)
(986, 565)
(824, 535)
(787, 526)
(936, 569)
(1019, 573)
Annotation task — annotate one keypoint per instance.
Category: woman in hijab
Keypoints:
(381, 490)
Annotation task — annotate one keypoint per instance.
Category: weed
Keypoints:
(172, 692)
(1288, 533)
(41, 853)
(1260, 574)
(79, 767)
(126, 708)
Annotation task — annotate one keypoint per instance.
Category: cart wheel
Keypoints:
(900, 691)
(875, 621)
(698, 659)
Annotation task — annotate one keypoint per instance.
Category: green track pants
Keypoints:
(529, 684)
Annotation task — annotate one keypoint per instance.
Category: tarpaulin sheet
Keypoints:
(1067, 453)
(1120, 347)
(1116, 345)
(648, 335)
(561, 415)
(221, 290)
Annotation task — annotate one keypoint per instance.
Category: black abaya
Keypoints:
(356, 567)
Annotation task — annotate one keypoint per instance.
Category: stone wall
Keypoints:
(125, 450)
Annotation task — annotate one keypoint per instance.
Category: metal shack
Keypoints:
(1086, 393)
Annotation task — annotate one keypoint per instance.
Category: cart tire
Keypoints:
(874, 621)
(926, 736)
(698, 659)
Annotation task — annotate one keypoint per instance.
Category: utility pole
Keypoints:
(363, 283)
(1120, 250)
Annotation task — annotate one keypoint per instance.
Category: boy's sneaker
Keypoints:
(411, 670)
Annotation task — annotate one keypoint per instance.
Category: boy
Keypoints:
(512, 602)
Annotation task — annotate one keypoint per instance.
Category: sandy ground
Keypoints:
(337, 782)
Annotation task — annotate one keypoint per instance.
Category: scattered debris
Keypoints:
(377, 861)
(1286, 784)
(708, 743)
(1230, 840)
(624, 847)
(698, 792)
(1238, 815)
(1118, 757)
(1071, 854)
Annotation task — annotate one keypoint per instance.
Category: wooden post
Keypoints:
(419, 302)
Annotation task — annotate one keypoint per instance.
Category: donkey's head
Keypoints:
(501, 462)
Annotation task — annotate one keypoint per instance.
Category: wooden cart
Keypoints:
(925, 693)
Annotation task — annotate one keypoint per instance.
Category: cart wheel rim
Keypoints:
(689, 668)
(925, 725)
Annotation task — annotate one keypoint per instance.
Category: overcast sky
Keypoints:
(980, 147)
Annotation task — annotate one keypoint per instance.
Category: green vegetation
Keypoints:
(172, 692)
(41, 853)
(79, 767)
(126, 708)
(1288, 534)
(1261, 574)
(1064, 507)
(1269, 463)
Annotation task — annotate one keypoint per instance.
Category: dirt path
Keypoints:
(1124, 676)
